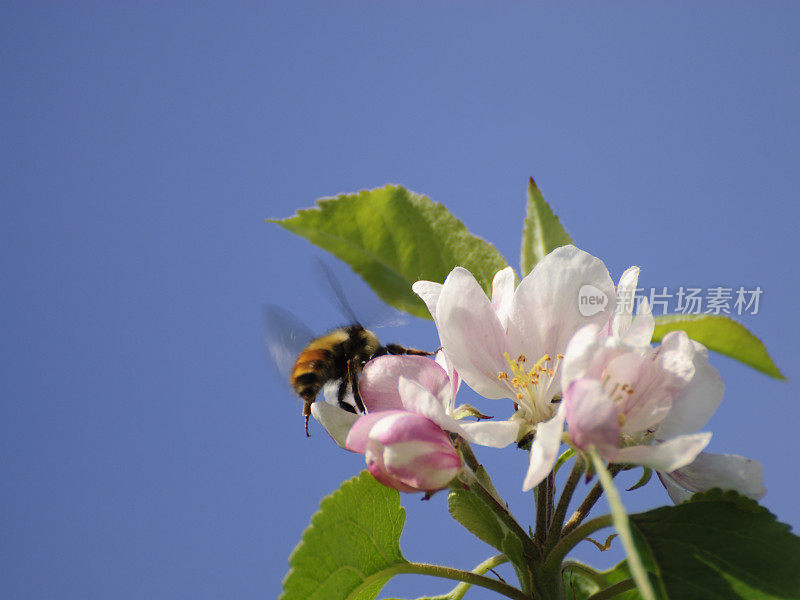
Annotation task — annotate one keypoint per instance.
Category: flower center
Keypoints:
(531, 386)
(619, 393)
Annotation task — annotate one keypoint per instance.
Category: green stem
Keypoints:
(468, 454)
(623, 527)
(563, 502)
(592, 497)
(458, 575)
(489, 499)
(585, 570)
(457, 593)
(569, 541)
(541, 512)
(613, 590)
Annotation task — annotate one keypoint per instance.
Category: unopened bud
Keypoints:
(405, 451)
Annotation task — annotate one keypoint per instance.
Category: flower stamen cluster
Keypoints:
(531, 386)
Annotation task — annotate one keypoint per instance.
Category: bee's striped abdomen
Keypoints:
(310, 372)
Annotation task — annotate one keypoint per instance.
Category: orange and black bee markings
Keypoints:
(339, 354)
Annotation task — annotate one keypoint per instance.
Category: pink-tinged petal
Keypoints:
(379, 379)
(726, 471)
(422, 466)
(471, 334)
(697, 402)
(675, 354)
(676, 492)
(420, 401)
(643, 327)
(667, 456)
(544, 450)
(398, 427)
(592, 417)
(503, 293)
(455, 381)
(429, 292)
(408, 452)
(581, 351)
(495, 434)
(376, 466)
(643, 390)
(626, 294)
(358, 437)
(545, 310)
(336, 421)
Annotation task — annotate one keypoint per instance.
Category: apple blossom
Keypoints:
(405, 450)
(640, 405)
(632, 403)
(511, 346)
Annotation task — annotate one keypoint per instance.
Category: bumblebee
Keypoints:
(312, 361)
(339, 355)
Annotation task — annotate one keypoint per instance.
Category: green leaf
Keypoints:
(353, 543)
(721, 334)
(393, 237)
(581, 583)
(578, 586)
(542, 232)
(471, 511)
(720, 545)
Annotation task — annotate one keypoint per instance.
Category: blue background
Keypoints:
(146, 450)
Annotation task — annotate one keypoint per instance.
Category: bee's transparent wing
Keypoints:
(285, 337)
(361, 305)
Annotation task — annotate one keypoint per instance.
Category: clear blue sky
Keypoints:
(146, 450)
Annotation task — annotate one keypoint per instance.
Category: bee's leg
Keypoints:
(398, 349)
(340, 394)
(352, 375)
(306, 414)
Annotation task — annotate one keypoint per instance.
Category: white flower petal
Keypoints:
(418, 400)
(626, 294)
(330, 391)
(641, 331)
(429, 292)
(472, 335)
(545, 311)
(676, 492)
(667, 456)
(544, 450)
(336, 421)
(726, 471)
(502, 294)
(495, 434)
(694, 406)
(676, 354)
(579, 354)
(455, 381)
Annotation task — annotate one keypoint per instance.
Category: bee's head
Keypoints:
(371, 342)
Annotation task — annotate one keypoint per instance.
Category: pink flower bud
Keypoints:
(405, 451)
